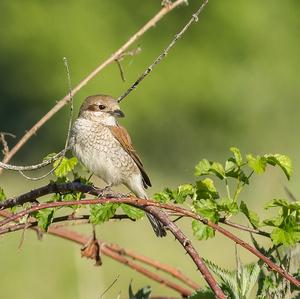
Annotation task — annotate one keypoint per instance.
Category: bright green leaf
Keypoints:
(202, 231)
(207, 208)
(63, 166)
(228, 205)
(218, 169)
(102, 212)
(132, 212)
(257, 164)
(205, 189)
(202, 167)
(44, 218)
(143, 293)
(284, 162)
(2, 194)
(237, 155)
(287, 238)
(252, 216)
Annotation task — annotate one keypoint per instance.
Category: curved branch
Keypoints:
(154, 263)
(148, 206)
(62, 102)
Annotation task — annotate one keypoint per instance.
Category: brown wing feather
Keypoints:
(123, 137)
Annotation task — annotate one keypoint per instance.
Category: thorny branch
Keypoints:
(148, 206)
(66, 99)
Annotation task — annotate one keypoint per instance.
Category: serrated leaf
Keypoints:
(202, 167)
(257, 164)
(64, 166)
(203, 294)
(44, 218)
(2, 195)
(207, 208)
(143, 293)
(284, 162)
(202, 231)
(252, 216)
(285, 237)
(164, 196)
(205, 189)
(132, 212)
(237, 155)
(218, 169)
(102, 212)
(228, 205)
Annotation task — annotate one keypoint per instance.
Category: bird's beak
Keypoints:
(118, 113)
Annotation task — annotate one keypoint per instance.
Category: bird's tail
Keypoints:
(157, 226)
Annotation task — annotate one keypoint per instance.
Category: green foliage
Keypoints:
(211, 203)
(143, 293)
(2, 194)
(204, 293)
(202, 231)
(132, 212)
(64, 166)
(44, 218)
(236, 284)
(286, 225)
(102, 212)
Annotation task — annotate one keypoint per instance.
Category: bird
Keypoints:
(104, 147)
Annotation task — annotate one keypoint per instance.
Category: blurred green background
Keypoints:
(232, 80)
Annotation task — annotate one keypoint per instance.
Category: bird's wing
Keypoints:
(123, 137)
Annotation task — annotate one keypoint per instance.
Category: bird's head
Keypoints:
(101, 108)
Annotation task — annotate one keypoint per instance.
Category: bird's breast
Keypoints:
(97, 149)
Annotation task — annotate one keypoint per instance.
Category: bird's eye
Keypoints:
(102, 107)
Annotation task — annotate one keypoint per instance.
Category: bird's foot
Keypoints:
(106, 191)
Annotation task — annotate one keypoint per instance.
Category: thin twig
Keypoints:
(5, 150)
(110, 286)
(164, 53)
(62, 102)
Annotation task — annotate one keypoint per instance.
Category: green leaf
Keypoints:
(102, 212)
(207, 208)
(287, 238)
(228, 205)
(257, 164)
(183, 192)
(164, 196)
(205, 189)
(63, 166)
(202, 231)
(206, 293)
(218, 169)
(252, 216)
(237, 155)
(143, 293)
(202, 167)
(284, 162)
(132, 212)
(2, 195)
(44, 218)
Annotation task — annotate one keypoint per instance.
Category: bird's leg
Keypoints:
(104, 191)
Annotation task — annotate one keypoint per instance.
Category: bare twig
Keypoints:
(164, 53)
(5, 150)
(32, 167)
(62, 102)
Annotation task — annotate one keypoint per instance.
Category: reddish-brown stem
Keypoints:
(108, 251)
(145, 204)
(80, 239)
(62, 102)
(158, 265)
